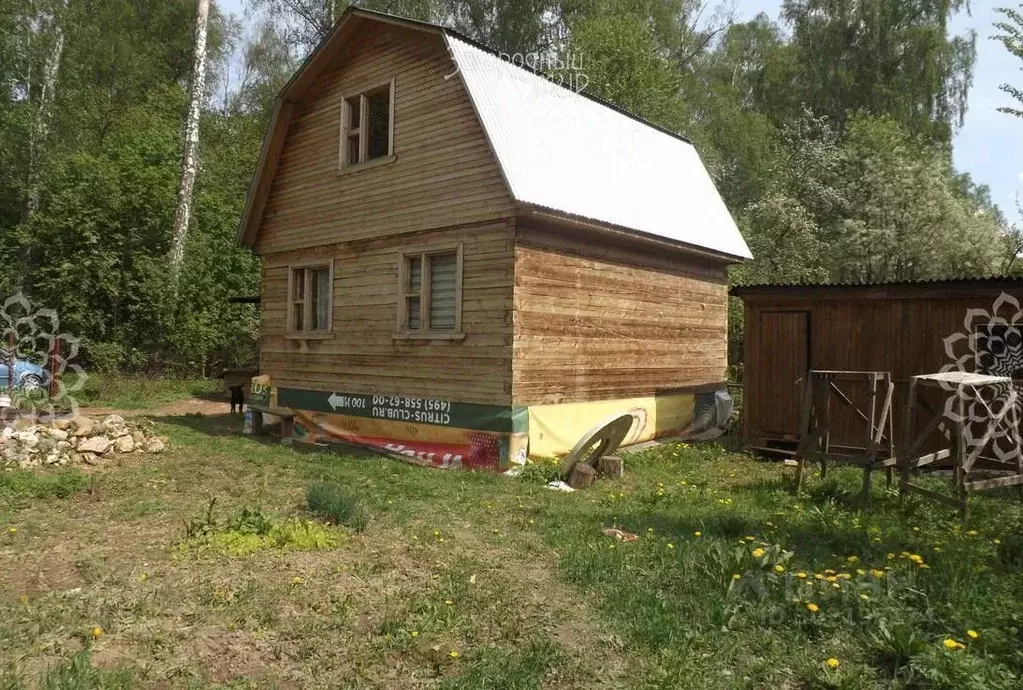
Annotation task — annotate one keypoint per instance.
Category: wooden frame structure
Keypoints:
(956, 383)
(878, 451)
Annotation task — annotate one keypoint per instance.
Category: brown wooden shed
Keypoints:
(906, 328)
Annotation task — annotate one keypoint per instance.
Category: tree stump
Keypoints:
(610, 466)
(582, 476)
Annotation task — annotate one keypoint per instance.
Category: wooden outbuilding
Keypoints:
(906, 329)
(465, 263)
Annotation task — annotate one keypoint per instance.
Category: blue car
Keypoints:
(27, 376)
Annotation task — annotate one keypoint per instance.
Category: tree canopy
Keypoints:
(828, 134)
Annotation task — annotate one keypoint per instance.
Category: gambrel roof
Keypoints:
(559, 151)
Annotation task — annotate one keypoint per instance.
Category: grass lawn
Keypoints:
(136, 393)
(204, 567)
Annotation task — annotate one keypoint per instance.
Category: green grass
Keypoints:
(474, 580)
(139, 393)
(334, 503)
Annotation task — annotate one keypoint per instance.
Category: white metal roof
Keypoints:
(571, 154)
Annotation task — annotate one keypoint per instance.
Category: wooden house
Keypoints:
(906, 329)
(465, 263)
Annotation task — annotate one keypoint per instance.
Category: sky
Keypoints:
(989, 146)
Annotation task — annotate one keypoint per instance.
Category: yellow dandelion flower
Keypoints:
(670, 545)
(96, 632)
(890, 556)
(736, 576)
(414, 633)
(972, 533)
(877, 573)
(916, 558)
(779, 568)
(829, 571)
(861, 571)
(448, 602)
(143, 577)
(801, 575)
(296, 580)
(437, 533)
(13, 530)
(758, 552)
(750, 538)
(697, 534)
(864, 597)
(812, 607)
(852, 559)
(972, 634)
(924, 566)
(835, 585)
(833, 663)
(453, 654)
(831, 578)
(996, 541)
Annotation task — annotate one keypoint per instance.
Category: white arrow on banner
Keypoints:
(335, 401)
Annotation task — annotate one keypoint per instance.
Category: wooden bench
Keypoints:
(287, 421)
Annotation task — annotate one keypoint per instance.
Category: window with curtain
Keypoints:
(310, 296)
(431, 292)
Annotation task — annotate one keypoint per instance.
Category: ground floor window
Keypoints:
(310, 298)
(431, 292)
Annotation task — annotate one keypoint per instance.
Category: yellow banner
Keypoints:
(555, 429)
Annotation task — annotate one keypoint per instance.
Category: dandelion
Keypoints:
(670, 545)
(453, 654)
(697, 534)
(531, 521)
(890, 556)
(916, 558)
(877, 573)
(801, 575)
(143, 577)
(96, 632)
(832, 663)
(996, 541)
(750, 538)
(441, 539)
(414, 633)
(13, 530)
(952, 645)
(861, 571)
(448, 602)
(812, 607)
(864, 597)
(294, 581)
(437, 533)
(852, 560)
(758, 553)
(829, 571)
(779, 568)
(835, 585)
(972, 533)
(972, 634)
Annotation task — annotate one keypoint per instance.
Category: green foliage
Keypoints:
(541, 472)
(251, 530)
(337, 504)
(1010, 35)
(140, 393)
(941, 669)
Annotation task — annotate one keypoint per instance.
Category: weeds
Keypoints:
(335, 503)
(251, 530)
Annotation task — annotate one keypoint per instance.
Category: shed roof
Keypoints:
(799, 289)
(558, 150)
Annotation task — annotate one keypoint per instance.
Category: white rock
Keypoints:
(124, 444)
(96, 444)
(57, 434)
(155, 445)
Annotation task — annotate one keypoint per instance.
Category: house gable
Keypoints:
(443, 171)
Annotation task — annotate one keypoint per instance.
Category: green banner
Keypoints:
(403, 408)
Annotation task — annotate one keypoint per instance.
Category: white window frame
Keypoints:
(362, 131)
(424, 332)
(308, 306)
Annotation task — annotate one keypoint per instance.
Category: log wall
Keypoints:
(596, 320)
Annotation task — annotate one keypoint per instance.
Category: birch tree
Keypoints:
(46, 29)
(190, 147)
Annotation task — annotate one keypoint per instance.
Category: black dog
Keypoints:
(237, 398)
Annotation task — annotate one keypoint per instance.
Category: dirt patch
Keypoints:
(176, 409)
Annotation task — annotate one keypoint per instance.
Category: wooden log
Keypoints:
(611, 467)
(582, 476)
(985, 484)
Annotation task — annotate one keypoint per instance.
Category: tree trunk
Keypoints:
(190, 147)
(43, 108)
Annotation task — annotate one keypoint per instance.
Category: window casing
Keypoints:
(430, 293)
(310, 299)
(367, 126)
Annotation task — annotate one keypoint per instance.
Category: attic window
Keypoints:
(367, 126)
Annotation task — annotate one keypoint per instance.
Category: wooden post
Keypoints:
(905, 459)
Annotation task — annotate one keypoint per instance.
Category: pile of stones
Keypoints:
(78, 440)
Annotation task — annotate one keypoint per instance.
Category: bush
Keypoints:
(251, 530)
(334, 503)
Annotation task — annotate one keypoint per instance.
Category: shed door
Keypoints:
(784, 361)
